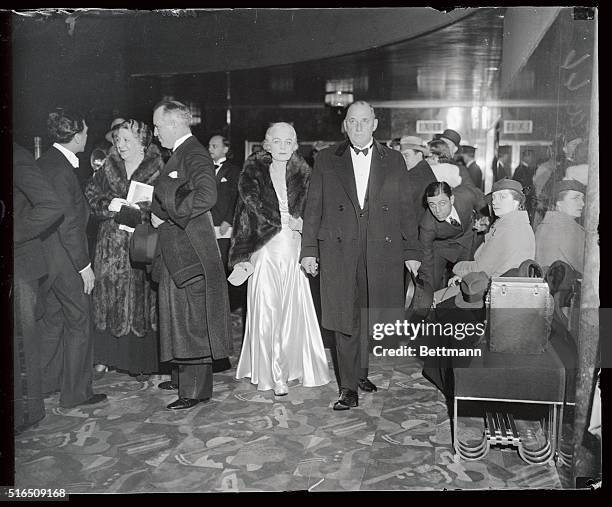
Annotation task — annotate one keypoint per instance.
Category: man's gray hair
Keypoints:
(177, 109)
(361, 103)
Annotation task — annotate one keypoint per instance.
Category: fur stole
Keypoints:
(147, 172)
(257, 219)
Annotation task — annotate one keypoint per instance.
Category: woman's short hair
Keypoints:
(63, 124)
(438, 187)
(140, 129)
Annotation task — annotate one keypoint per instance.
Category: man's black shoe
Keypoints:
(366, 385)
(168, 385)
(347, 399)
(219, 365)
(184, 403)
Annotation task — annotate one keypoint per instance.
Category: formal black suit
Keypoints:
(67, 353)
(443, 243)
(361, 249)
(227, 194)
(419, 177)
(37, 211)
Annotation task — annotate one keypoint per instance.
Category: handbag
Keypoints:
(143, 244)
(519, 313)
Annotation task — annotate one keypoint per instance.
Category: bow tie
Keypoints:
(454, 222)
(217, 166)
(358, 151)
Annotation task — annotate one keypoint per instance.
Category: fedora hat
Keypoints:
(114, 124)
(452, 136)
(143, 244)
(413, 143)
(419, 297)
(473, 287)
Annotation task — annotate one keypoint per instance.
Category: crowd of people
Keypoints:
(359, 217)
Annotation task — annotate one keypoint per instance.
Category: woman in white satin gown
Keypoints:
(282, 340)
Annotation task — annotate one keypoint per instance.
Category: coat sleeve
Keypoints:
(313, 213)
(232, 194)
(427, 235)
(409, 222)
(203, 196)
(72, 229)
(46, 207)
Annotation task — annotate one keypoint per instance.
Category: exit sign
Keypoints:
(429, 127)
(518, 126)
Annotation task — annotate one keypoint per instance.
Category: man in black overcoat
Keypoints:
(359, 224)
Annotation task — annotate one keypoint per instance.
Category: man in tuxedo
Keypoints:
(194, 326)
(227, 175)
(66, 327)
(359, 224)
(37, 212)
(446, 231)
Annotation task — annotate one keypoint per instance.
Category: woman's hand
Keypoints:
(296, 224)
(455, 280)
(310, 265)
(116, 203)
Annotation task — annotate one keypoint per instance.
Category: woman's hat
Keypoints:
(414, 143)
(114, 124)
(571, 184)
(504, 184)
(473, 287)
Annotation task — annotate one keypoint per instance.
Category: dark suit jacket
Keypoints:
(452, 242)
(475, 174)
(72, 230)
(331, 232)
(227, 193)
(37, 211)
(419, 177)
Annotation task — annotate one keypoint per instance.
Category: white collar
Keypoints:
(221, 160)
(72, 158)
(368, 145)
(453, 214)
(180, 141)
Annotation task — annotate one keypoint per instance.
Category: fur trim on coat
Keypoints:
(257, 219)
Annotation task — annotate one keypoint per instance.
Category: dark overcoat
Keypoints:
(123, 300)
(331, 232)
(187, 332)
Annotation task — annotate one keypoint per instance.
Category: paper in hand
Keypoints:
(139, 192)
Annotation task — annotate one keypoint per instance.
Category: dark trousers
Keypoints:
(67, 338)
(194, 381)
(353, 350)
(28, 401)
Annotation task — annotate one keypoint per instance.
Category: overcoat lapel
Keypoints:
(343, 167)
(378, 171)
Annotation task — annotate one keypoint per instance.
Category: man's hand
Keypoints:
(156, 221)
(296, 224)
(413, 266)
(455, 280)
(224, 227)
(116, 203)
(310, 265)
(88, 277)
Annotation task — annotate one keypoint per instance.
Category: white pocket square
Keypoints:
(223, 180)
(173, 174)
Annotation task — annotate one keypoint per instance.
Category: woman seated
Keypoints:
(282, 340)
(124, 304)
(510, 240)
(446, 232)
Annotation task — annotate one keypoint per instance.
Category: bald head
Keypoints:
(360, 123)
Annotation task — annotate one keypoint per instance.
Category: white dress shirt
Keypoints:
(453, 214)
(180, 141)
(72, 158)
(361, 170)
(218, 164)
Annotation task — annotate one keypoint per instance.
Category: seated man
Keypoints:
(559, 237)
(446, 232)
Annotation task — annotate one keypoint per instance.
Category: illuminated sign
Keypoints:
(429, 127)
(518, 126)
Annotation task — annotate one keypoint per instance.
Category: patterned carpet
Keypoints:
(244, 440)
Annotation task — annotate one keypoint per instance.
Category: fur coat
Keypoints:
(257, 219)
(123, 300)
